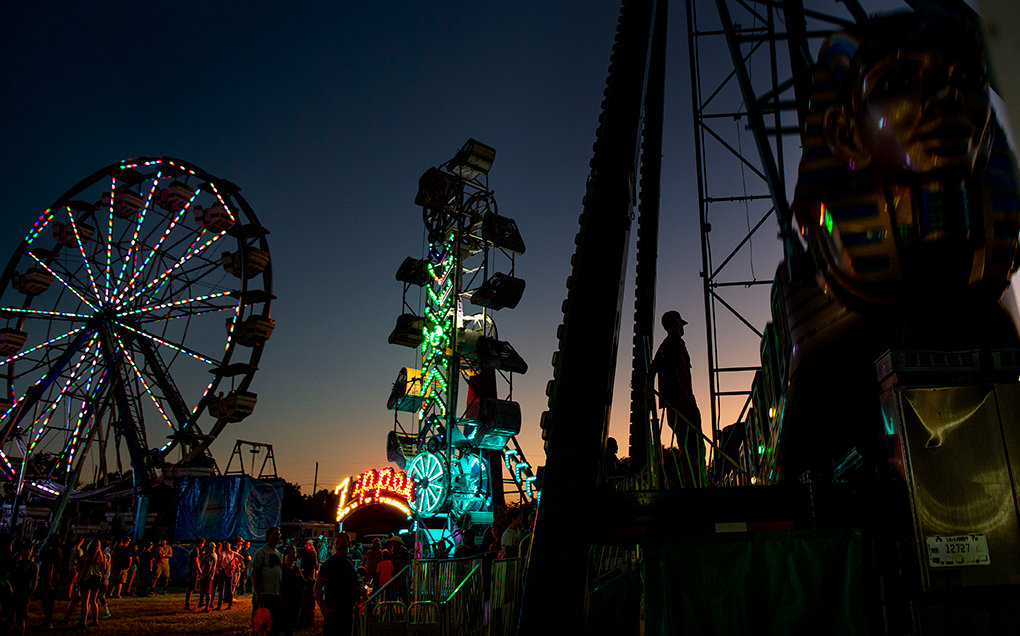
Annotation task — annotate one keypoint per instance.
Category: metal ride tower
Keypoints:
(747, 116)
(454, 444)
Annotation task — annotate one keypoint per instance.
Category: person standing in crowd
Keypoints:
(672, 363)
(74, 557)
(467, 547)
(50, 558)
(309, 566)
(292, 593)
(354, 555)
(75, 565)
(401, 558)
(266, 576)
(135, 551)
(372, 557)
(146, 556)
(337, 590)
(244, 559)
(194, 572)
(92, 568)
(611, 463)
(208, 574)
(384, 569)
(122, 558)
(224, 582)
(164, 554)
(107, 569)
(511, 536)
(24, 576)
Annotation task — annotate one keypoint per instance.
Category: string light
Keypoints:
(156, 248)
(177, 303)
(162, 278)
(40, 346)
(109, 238)
(171, 345)
(84, 256)
(141, 378)
(39, 225)
(63, 282)
(47, 413)
(39, 312)
(132, 256)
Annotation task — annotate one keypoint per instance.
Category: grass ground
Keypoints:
(158, 614)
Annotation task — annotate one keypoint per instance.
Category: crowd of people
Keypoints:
(74, 580)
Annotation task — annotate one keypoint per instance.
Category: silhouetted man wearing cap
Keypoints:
(672, 364)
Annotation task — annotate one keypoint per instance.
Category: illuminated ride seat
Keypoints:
(11, 341)
(491, 425)
(216, 219)
(254, 330)
(33, 282)
(406, 394)
(401, 448)
(126, 204)
(233, 407)
(257, 262)
(174, 197)
(63, 233)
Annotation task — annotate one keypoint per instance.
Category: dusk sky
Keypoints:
(325, 115)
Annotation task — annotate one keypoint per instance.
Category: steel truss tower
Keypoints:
(747, 116)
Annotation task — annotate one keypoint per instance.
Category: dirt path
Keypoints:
(158, 614)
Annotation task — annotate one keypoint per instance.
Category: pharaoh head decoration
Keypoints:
(907, 184)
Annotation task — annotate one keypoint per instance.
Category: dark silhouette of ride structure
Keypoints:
(880, 431)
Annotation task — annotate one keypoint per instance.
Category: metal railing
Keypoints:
(507, 581)
(444, 597)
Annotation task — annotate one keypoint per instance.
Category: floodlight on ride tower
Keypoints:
(472, 160)
(498, 292)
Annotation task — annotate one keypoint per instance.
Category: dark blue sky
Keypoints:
(326, 114)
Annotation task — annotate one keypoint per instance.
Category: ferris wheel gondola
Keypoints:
(136, 309)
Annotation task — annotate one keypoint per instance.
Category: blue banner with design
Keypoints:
(226, 507)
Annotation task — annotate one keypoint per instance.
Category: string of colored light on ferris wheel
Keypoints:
(230, 213)
(62, 281)
(176, 303)
(69, 449)
(190, 314)
(132, 256)
(157, 246)
(230, 329)
(40, 346)
(81, 249)
(39, 225)
(184, 259)
(141, 378)
(41, 312)
(109, 240)
(176, 347)
(7, 465)
(44, 488)
(124, 165)
(48, 411)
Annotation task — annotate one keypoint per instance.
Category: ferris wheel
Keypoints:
(133, 315)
